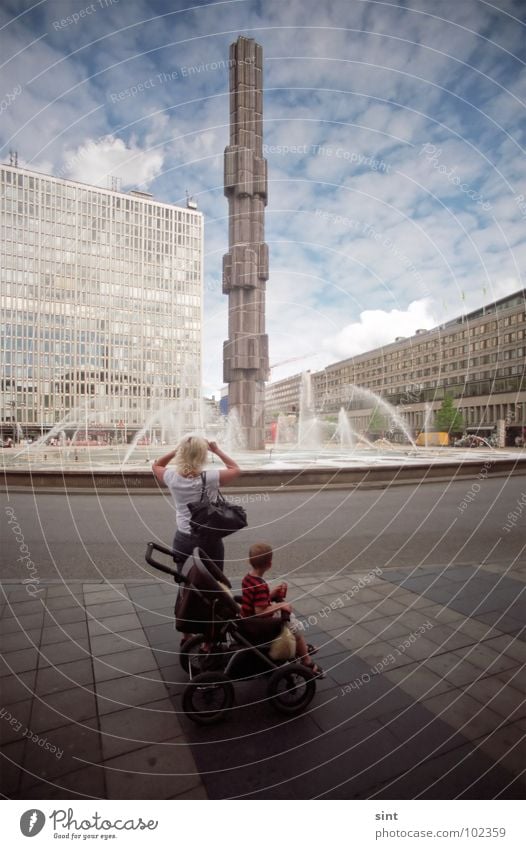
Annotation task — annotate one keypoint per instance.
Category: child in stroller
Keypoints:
(206, 607)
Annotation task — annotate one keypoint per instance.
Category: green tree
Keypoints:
(448, 419)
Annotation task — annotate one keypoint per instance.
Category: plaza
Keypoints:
(419, 624)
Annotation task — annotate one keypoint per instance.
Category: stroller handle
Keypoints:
(153, 546)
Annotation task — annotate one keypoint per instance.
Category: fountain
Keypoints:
(309, 426)
(306, 442)
(346, 435)
(428, 412)
(388, 409)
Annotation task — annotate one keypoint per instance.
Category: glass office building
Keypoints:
(101, 300)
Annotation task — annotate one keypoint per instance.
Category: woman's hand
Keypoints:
(213, 447)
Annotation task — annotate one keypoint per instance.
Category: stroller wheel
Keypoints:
(291, 689)
(194, 660)
(208, 697)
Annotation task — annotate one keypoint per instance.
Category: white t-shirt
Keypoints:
(186, 490)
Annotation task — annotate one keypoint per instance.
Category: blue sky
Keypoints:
(395, 136)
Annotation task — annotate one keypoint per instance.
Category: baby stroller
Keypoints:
(227, 648)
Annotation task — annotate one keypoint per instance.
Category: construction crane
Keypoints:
(292, 360)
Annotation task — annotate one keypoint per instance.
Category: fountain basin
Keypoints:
(277, 471)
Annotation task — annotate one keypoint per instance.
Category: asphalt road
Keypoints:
(87, 537)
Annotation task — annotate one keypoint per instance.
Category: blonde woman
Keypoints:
(184, 482)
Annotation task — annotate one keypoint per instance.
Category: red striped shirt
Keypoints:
(256, 593)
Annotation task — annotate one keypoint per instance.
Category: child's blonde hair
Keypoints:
(191, 455)
(260, 555)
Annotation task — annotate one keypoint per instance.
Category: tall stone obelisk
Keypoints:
(245, 266)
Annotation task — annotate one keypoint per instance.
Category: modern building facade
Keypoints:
(245, 266)
(478, 358)
(101, 299)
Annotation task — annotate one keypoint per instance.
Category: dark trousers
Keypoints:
(212, 545)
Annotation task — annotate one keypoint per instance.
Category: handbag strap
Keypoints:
(203, 485)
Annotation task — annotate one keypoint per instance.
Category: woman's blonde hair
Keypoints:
(191, 455)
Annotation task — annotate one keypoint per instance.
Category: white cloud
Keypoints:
(94, 160)
(379, 327)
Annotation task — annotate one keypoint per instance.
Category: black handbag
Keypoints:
(218, 517)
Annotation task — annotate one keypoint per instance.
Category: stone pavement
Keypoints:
(424, 695)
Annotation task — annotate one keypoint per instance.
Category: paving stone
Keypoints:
(462, 773)
(105, 597)
(446, 615)
(74, 742)
(121, 664)
(68, 632)
(158, 771)
(130, 690)
(338, 708)
(509, 646)
(10, 771)
(112, 608)
(22, 623)
(516, 676)
(475, 629)
(19, 640)
(197, 792)
(11, 594)
(87, 783)
(69, 590)
(15, 721)
(64, 616)
(117, 642)
(57, 709)
(456, 671)
(335, 621)
(501, 698)
(486, 658)
(384, 653)
(114, 624)
(66, 652)
(14, 662)
(53, 679)
(417, 681)
(421, 649)
(163, 634)
(17, 688)
(17, 609)
(463, 713)
(425, 733)
(352, 638)
(447, 639)
(134, 728)
(507, 746)
(63, 602)
(149, 618)
(94, 587)
(386, 629)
